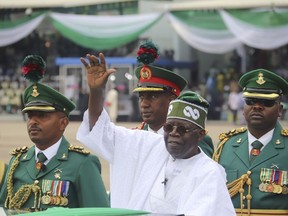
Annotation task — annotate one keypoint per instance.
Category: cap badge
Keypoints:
(260, 79)
(34, 92)
(145, 73)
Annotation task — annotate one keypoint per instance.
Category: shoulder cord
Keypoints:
(22, 195)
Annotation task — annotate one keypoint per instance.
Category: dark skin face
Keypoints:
(46, 128)
(154, 107)
(185, 146)
(261, 119)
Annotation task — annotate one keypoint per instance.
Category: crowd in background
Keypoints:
(215, 86)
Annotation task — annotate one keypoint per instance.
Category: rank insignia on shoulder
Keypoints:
(284, 132)
(79, 149)
(232, 133)
(19, 150)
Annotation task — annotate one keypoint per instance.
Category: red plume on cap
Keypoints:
(147, 53)
(33, 68)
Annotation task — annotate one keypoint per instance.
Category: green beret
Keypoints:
(40, 97)
(191, 107)
(264, 84)
(152, 78)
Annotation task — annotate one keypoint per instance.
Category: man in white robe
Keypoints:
(171, 177)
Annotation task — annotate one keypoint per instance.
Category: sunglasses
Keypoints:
(181, 130)
(262, 102)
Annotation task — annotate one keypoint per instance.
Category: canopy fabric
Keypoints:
(262, 29)
(259, 35)
(206, 40)
(216, 31)
(12, 32)
(103, 32)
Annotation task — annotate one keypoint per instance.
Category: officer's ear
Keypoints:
(172, 97)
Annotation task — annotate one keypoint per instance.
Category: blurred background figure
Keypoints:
(234, 101)
(111, 102)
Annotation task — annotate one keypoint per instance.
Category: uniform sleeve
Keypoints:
(89, 185)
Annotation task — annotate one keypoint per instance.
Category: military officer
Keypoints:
(52, 173)
(255, 158)
(157, 87)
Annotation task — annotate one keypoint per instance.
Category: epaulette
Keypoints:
(19, 150)
(284, 132)
(139, 127)
(223, 137)
(231, 133)
(79, 149)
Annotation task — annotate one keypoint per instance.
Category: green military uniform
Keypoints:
(71, 177)
(259, 187)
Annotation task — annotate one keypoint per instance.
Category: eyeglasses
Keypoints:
(181, 130)
(262, 102)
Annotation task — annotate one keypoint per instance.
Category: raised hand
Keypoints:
(97, 73)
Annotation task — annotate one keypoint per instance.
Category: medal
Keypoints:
(262, 187)
(45, 199)
(279, 189)
(284, 190)
(269, 188)
(58, 200)
(275, 189)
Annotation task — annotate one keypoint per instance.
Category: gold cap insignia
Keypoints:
(34, 92)
(145, 73)
(260, 79)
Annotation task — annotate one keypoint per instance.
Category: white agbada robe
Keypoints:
(138, 161)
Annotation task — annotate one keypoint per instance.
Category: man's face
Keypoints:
(45, 128)
(154, 107)
(181, 138)
(262, 114)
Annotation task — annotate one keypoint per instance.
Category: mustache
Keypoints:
(34, 127)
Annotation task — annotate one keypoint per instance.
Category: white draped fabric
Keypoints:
(107, 32)
(105, 26)
(12, 35)
(261, 38)
(205, 40)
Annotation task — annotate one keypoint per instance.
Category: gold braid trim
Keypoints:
(2, 171)
(236, 187)
(223, 137)
(22, 195)
(79, 149)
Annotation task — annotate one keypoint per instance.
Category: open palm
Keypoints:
(97, 74)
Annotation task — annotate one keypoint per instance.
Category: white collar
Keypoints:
(49, 152)
(160, 131)
(265, 139)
